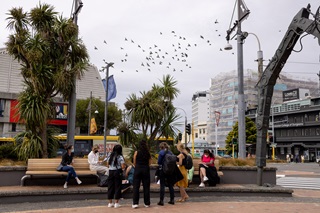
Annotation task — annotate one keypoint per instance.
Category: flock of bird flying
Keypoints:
(174, 59)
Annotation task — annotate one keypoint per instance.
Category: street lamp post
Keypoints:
(185, 126)
(73, 96)
(243, 12)
(89, 112)
(106, 109)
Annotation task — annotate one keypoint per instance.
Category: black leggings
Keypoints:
(114, 185)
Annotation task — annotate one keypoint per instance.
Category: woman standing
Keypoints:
(116, 166)
(141, 162)
(66, 162)
(182, 184)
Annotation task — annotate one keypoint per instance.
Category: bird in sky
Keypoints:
(125, 39)
(172, 32)
(216, 22)
(104, 41)
(132, 41)
(95, 48)
(160, 33)
(201, 37)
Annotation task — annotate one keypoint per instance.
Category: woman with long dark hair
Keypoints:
(141, 161)
(66, 162)
(116, 164)
(208, 171)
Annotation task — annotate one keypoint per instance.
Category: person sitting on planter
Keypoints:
(208, 171)
(94, 163)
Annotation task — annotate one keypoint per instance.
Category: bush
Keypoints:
(237, 162)
(7, 152)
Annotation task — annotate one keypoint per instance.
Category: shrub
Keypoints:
(237, 162)
(7, 152)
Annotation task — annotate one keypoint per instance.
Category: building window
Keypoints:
(14, 127)
(204, 131)
(1, 107)
(199, 131)
(196, 135)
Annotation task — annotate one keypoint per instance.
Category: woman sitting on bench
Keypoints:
(208, 171)
(66, 162)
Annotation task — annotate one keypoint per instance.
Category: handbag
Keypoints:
(59, 167)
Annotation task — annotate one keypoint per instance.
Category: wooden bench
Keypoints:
(197, 161)
(47, 167)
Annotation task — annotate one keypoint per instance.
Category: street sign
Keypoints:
(273, 145)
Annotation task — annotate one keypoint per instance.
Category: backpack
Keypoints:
(103, 180)
(169, 163)
(188, 164)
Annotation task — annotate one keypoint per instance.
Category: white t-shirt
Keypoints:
(93, 158)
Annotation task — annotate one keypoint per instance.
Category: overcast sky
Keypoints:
(148, 24)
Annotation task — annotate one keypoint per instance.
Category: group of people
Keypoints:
(139, 172)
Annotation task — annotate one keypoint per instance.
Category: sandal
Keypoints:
(181, 200)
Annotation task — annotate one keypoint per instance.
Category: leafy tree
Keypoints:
(251, 135)
(153, 113)
(82, 115)
(51, 56)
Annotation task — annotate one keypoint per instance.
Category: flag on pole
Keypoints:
(112, 89)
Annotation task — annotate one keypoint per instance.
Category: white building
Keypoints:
(223, 97)
(200, 114)
(11, 85)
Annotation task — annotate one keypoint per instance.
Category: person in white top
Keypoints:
(95, 163)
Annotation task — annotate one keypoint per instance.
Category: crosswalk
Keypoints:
(299, 182)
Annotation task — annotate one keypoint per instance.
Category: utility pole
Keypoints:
(319, 84)
(241, 103)
(73, 96)
(106, 109)
(89, 111)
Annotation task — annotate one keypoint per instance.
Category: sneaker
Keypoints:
(147, 206)
(205, 179)
(78, 181)
(117, 205)
(202, 185)
(65, 186)
(110, 205)
(134, 206)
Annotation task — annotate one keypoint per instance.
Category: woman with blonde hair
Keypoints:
(182, 184)
(95, 163)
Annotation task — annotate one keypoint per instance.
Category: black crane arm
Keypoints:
(299, 25)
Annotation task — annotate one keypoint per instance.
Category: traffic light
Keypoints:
(179, 136)
(188, 129)
(234, 141)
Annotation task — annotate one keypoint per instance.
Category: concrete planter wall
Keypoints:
(11, 175)
(246, 175)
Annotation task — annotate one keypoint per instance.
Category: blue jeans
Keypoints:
(70, 171)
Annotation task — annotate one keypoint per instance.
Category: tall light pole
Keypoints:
(185, 126)
(106, 108)
(73, 96)
(243, 12)
(89, 112)
(217, 115)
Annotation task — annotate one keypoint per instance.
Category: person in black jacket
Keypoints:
(164, 179)
(141, 162)
(66, 162)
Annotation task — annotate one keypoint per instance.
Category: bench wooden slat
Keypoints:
(48, 167)
(196, 163)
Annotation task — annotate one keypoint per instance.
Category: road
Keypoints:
(298, 175)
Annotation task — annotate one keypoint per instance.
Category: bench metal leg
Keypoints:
(24, 178)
